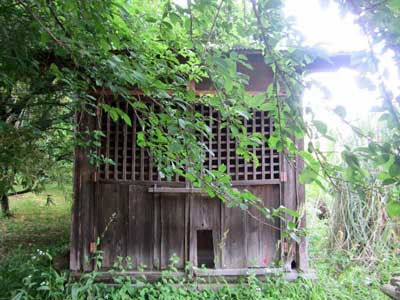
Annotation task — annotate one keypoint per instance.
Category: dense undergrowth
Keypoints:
(33, 242)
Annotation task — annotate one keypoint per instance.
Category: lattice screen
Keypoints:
(133, 163)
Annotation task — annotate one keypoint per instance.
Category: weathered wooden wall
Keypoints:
(151, 228)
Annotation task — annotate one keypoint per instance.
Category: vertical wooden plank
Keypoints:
(187, 228)
(74, 261)
(150, 166)
(116, 161)
(150, 156)
(221, 244)
(245, 162)
(192, 234)
(134, 147)
(125, 144)
(157, 232)
(86, 196)
(201, 135)
(96, 234)
(141, 227)
(219, 139)
(254, 148)
(235, 243)
(289, 201)
(236, 160)
(228, 154)
(263, 164)
(271, 151)
(302, 248)
(263, 235)
(108, 147)
(172, 229)
(210, 147)
(112, 222)
(253, 236)
(142, 163)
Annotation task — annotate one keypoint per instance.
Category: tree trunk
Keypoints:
(5, 207)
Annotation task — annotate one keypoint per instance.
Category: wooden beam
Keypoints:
(175, 190)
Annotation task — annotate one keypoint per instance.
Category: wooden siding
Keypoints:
(172, 213)
(262, 234)
(249, 239)
(112, 222)
(150, 228)
(141, 235)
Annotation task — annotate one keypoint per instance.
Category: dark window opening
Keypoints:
(205, 249)
(293, 265)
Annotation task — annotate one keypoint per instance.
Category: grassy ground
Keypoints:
(40, 224)
(39, 231)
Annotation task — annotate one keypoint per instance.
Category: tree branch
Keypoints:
(24, 191)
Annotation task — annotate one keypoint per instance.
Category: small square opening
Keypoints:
(205, 249)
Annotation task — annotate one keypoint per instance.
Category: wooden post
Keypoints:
(302, 248)
(83, 206)
(288, 198)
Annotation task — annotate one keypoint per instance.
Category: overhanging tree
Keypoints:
(57, 53)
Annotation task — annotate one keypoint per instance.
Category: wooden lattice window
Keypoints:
(132, 163)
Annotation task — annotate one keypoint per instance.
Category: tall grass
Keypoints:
(359, 223)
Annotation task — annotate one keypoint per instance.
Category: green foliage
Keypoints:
(379, 21)
(351, 284)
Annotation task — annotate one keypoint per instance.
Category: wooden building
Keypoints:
(137, 214)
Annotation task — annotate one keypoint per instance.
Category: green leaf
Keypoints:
(175, 147)
(126, 118)
(389, 181)
(222, 168)
(351, 159)
(267, 106)
(288, 211)
(321, 127)
(291, 225)
(256, 101)
(393, 209)
(182, 123)
(394, 169)
(307, 176)
(140, 139)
